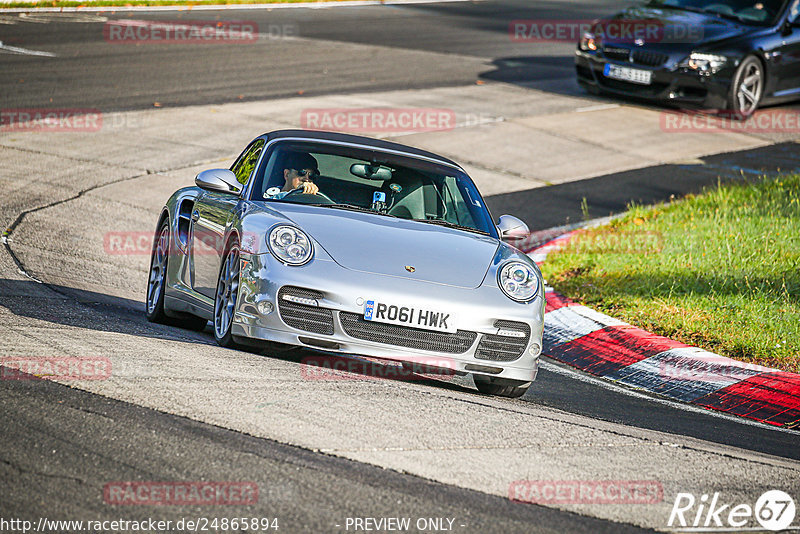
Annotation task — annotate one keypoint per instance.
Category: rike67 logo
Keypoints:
(774, 511)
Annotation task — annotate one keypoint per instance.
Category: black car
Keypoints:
(731, 55)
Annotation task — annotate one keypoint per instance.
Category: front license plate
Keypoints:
(627, 74)
(411, 316)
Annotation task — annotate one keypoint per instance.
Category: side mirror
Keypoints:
(219, 180)
(512, 228)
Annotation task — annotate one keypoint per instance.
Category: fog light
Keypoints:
(265, 307)
(535, 349)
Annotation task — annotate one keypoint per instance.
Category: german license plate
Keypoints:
(412, 316)
(627, 74)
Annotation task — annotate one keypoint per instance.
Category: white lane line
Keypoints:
(226, 7)
(599, 107)
(611, 386)
(25, 51)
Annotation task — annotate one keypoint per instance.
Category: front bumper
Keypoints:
(669, 85)
(343, 291)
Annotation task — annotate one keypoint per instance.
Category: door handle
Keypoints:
(195, 215)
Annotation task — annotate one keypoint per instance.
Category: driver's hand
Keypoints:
(310, 188)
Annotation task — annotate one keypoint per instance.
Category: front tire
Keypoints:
(157, 285)
(226, 297)
(747, 87)
(501, 387)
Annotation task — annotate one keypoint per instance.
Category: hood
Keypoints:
(385, 245)
(678, 30)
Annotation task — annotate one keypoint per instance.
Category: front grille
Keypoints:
(503, 348)
(649, 58)
(302, 316)
(618, 54)
(403, 336)
(637, 56)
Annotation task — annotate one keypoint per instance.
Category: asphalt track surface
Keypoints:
(87, 439)
(471, 39)
(126, 442)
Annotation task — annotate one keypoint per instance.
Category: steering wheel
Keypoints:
(299, 191)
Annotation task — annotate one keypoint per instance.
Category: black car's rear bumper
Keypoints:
(674, 86)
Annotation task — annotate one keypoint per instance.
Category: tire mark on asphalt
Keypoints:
(39, 473)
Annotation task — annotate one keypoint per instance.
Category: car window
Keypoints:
(243, 167)
(455, 201)
(373, 182)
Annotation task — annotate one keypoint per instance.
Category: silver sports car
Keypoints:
(351, 245)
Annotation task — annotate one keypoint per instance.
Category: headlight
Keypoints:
(290, 245)
(703, 62)
(588, 42)
(518, 281)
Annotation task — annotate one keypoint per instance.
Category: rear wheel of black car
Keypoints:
(502, 387)
(747, 87)
(157, 285)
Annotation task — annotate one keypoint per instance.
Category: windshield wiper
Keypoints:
(353, 207)
(452, 225)
(730, 16)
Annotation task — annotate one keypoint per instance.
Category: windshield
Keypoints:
(339, 177)
(749, 11)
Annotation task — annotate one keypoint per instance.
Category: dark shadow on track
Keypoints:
(79, 308)
(95, 311)
(547, 207)
(576, 396)
(554, 74)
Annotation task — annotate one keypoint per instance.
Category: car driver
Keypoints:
(299, 169)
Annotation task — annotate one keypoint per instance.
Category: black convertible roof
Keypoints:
(356, 139)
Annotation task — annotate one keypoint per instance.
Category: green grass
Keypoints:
(720, 270)
(125, 3)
